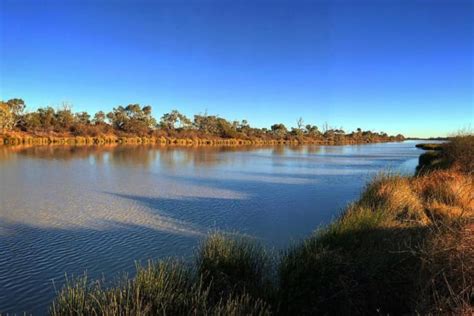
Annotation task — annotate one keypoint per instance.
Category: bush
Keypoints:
(459, 152)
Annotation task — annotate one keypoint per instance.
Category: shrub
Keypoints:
(459, 152)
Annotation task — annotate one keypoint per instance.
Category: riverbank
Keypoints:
(430, 146)
(404, 247)
(20, 138)
(135, 124)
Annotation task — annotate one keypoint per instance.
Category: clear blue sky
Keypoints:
(398, 66)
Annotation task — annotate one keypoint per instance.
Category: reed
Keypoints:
(174, 288)
(232, 265)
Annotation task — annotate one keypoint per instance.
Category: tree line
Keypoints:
(137, 120)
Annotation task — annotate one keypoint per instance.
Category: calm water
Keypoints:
(67, 210)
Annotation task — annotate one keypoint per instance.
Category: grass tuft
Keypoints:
(233, 265)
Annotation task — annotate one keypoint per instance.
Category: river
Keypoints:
(66, 210)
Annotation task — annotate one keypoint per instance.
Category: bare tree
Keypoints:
(300, 123)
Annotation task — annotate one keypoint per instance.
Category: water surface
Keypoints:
(66, 210)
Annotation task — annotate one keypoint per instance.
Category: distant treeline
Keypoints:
(135, 120)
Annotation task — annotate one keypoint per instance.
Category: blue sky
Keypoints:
(397, 66)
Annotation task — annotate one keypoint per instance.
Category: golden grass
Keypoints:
(446, 193)
(406, 246)
(395, 195)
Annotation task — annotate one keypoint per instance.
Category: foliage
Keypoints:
(457, 153)
(279, 130)
(135, 120)
(11, 113)
(132, 119)
(174, 120)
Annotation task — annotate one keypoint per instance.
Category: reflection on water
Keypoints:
(71, 209)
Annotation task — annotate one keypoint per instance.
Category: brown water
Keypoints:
(66, 210)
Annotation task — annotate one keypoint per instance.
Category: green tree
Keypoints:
(64, 119)
(32, 122)
(297, 131)
(117, 117)
(312, 130)
(6, 117)
(11, 113)
(47, 117)
(83, 118)
(132, 119)
(175, 120)
(99, 118)
(279, 130)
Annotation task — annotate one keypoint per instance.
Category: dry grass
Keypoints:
(459, 152)
(406, 246)
(440, 193)
(447, 280)
(446, 193)
(394, 195)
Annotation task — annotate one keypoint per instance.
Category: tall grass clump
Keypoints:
(164, 288)
(393, 195)
(233, 265)
(226, 280)
(445, 193)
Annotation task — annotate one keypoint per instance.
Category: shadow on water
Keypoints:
(33, 258)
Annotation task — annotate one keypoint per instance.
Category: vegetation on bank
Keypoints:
(429, 146)
(405, 247)
(457, 153)
(135, 124)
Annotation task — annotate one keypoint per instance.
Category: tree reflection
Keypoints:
(139, 155)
